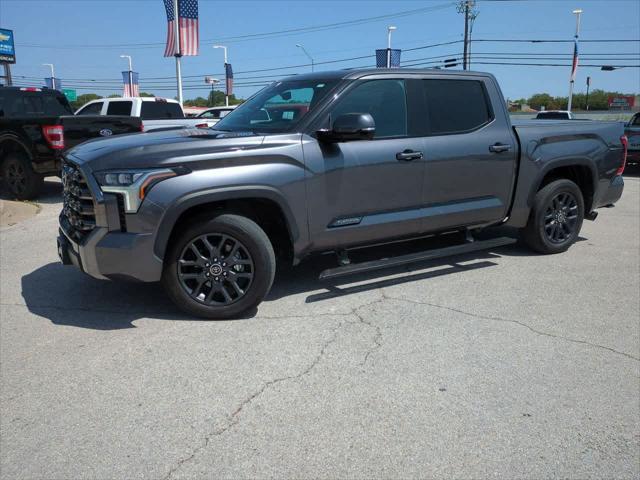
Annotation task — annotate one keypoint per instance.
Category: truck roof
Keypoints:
(352, 74)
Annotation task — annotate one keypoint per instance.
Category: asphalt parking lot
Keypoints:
(502, 364)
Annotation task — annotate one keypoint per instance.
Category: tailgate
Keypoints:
(80, 128)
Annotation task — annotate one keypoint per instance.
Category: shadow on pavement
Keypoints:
(51, 192)
(66, 296)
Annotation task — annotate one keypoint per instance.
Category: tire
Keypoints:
(20, 178)
(212, 254)
(556, 218)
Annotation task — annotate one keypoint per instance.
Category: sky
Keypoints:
(85, 38)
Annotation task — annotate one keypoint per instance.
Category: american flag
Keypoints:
(188, 28)
(131, 89)
(228, 71)
(574, 66)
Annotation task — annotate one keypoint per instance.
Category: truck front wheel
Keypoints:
(220, 267)
(556, 217)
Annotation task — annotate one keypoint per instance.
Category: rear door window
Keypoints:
(456, 106)
(119, 108)
(160, 110)
(91, 109)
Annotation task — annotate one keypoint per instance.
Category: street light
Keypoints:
(390, 29)
(130, 74)
(53, 75)
(609, 68)
(226, 93)
(306, 53)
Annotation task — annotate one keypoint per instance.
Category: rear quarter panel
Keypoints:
(549, 144)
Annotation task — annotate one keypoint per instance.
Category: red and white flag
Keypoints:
(574, 67)
(188, 35)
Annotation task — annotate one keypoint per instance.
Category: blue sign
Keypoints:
(388, 57)
(7, 49)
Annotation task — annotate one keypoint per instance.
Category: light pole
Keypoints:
(53, 74)
(306, 53)
(226, 93)
(130, 74)
(574, 66)
(390, 29)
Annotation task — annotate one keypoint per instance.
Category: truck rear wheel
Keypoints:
(18, 174)
(556, 217)
(219, 268)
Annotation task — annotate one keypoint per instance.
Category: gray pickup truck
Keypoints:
(327, 162)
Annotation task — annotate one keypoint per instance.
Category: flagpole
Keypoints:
(178, 54)
(575, 59)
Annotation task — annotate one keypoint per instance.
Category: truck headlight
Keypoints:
(133, 185)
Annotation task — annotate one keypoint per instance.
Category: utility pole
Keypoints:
(467, 8)
(574, 66)
(466, 35)
(588, 85)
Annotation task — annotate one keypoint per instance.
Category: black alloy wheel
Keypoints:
(16, 177)
(215, 269)
(561, 217)
(556, 217)
(219, 266)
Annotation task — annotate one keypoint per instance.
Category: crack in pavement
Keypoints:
(516, 322)
(234, 417)
(377, 339)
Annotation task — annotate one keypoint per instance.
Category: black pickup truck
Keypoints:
(36, 126)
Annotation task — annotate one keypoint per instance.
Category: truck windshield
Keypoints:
(278, 108)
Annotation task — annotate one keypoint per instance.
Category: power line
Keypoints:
(262, 35)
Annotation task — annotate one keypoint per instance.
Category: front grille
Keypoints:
(121, 212)
(78, 211)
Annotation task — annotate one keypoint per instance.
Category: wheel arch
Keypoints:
(10, 142)
(264, 205)
(581, 171)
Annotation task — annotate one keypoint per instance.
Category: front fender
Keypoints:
(184, 203)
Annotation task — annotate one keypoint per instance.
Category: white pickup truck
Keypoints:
(156, 113)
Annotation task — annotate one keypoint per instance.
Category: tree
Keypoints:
(196, 102)
(84, 98)
(145, 94)
(539, 100)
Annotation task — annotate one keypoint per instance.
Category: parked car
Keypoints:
(214, 114)
(156, 113)
(632, 131)
(555, 115)
(36, 126)
(376, 156)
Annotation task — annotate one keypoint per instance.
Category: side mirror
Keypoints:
(349, 127)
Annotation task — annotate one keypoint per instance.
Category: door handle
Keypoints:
(499, 148)
(408, 155)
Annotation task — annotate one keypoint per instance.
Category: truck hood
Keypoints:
(160, 149)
